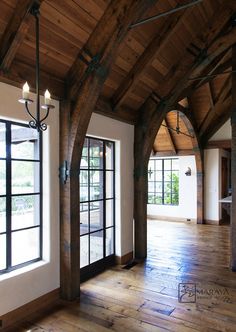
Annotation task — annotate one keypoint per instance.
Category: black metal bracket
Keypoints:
(35, 8)
(64, 172)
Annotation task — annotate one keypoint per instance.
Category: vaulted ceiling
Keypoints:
(153, 58)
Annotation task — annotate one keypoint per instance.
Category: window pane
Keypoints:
(83, 186)
(2, 252)
(159, 165)
(175, 199)
(25, 143)
(2, 177)
(158, 176)
(151, 198)
(167, 164)
(96, 246)
(175, 164)
(96, 154)
(25, 177)
(167, 199)
(167, 175)
(84, 162)
(158, 199)
(109, 184)
(96, 215)
(96, 185)
(83, 218)
(167, 187)
(2, 214)
(109, 241)
(2, 140)
(109, 213)
(25, 245)
(109, 155)
(84, 247)
(25, 211)
(151, 186)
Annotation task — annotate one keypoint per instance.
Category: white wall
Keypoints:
(26, 284)
(123, 135)
(211, 185)
(225, 132)
(187, 208)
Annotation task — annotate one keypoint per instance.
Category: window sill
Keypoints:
(22, 270)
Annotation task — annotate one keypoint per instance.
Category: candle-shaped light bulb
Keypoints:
(25, 91)
(47, 98)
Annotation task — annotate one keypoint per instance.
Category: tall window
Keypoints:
(20, 195)
(163, 181)
(97, 201)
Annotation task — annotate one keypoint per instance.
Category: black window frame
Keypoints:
(161, 193)
(94, 268)
(9, 195)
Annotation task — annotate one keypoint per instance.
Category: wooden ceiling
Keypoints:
(151, 61)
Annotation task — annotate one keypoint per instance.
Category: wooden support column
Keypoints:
(233, 164)
(144, 136)
(85, 82)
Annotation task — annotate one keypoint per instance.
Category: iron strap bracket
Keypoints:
(65, 172)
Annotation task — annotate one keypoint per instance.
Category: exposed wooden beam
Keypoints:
(213, 109)
(217, 122)
(15, 32)
(169, 135)
(219, 144)
(154, 48)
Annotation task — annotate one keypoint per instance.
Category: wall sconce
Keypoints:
(188, 172)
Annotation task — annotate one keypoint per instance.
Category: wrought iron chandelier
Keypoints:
(177, 128)
(37, 122)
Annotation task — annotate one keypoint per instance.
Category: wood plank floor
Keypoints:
(191, 258)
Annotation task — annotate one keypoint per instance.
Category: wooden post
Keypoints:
(84, 86)
(69, 223)
(233, 164)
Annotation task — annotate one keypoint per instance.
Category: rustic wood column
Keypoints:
(85, 82)
(233, 165)
(146, 128)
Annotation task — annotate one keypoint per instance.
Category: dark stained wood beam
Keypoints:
(213, 110)
(15, 32)
(154, 48)
(169, 135)
(84, 85)
(217, 122)
(233, 167)
(219, 144)
(123, 114)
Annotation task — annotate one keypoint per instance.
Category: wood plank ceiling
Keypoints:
(150, 62)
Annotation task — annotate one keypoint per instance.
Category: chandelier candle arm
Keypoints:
(37, 121)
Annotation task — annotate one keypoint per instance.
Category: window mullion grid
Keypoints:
(114, 215)
(40, 196)
(163, 178)
(89, 201)
(104, 199)
(8, 195)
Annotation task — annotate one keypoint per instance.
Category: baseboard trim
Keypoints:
(175, 219)
(31, 308)
(211, 222)
(122, 260)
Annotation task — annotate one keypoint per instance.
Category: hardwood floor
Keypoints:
(145, 297)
